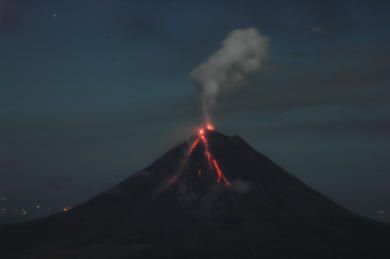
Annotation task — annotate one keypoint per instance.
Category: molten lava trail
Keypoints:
(206, 149)
(221, 177)
(172, 179)
(193, 146)
(213, 163)
(188, 154)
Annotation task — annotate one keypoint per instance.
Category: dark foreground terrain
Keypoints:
(176, 209)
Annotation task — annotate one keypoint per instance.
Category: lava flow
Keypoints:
(212, 161)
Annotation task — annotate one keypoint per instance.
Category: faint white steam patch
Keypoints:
(316, 29)
(240, 186)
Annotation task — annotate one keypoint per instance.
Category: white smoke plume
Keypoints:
(242, 53)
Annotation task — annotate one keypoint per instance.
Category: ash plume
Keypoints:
(243, 52)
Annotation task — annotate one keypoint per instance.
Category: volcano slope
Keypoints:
(178, 207)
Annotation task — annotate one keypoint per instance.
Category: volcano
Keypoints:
(213, 196)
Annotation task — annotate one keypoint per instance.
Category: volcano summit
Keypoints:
(213, 196)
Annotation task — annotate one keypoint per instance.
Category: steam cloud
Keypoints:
(242, 52)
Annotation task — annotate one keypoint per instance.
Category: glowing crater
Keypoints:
(212, 161)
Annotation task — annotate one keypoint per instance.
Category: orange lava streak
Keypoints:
(206, 150)
(209, 126)
(189, 152)
(193, 146)
(212, 161)
(221, 176)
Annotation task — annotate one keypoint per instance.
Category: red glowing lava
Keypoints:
(206, 149)
(193, 146)
(209, 126)
(212, 161)
(220, 176)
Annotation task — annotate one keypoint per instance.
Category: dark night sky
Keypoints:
(92, 91)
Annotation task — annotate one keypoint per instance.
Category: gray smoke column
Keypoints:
(242, 53)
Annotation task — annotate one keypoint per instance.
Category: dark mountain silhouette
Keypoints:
(175, 208)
